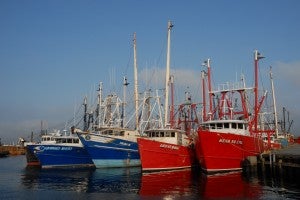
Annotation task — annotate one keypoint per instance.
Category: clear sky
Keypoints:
(54, 52)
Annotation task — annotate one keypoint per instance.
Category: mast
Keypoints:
(125, 84)
(207, 64)
(100, 103)
(209, 88)
(170, 25)
(257, 57)
(274, 103)
(85, 120)
(136, 95)
(203, 96)
(172, 101)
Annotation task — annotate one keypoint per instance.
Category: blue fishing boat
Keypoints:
(31, 158)
(64, 150)
(112, 147)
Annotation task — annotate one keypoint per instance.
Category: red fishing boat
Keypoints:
(230, 133)
(165, 149)
(166, 146)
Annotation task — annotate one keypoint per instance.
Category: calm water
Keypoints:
(19, 182)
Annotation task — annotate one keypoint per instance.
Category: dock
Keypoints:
(12, 150)
(286, 157)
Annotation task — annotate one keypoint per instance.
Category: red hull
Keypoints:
(225, 151)
(156, 155)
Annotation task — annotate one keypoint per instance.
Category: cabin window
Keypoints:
(58, 141)
(76, 140)
(240, 126)
(153, 134)
(156, 134)
(233, 125)
(122, 133)
(173, 134)
(69, 140)
(212, 126)
(220, 126)
(226, 125)
(168, 134)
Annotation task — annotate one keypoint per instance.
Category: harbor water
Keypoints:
(20, 182)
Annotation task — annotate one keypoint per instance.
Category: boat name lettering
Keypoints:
(42, 148)
(168, 146)
(229, 141)
(125, 144)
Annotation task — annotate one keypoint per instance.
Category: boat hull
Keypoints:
(225, 151)
(111, 152)
(31, 158)
(157, 155)
(59, 156)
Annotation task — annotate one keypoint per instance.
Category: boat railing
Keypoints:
(229, 86)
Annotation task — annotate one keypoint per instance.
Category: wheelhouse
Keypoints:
(226, 126)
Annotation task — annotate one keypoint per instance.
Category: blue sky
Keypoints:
(54, 52)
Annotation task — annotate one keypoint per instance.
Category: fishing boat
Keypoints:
(230, 133)
(112, 147)
(111, 144)
(31, 158)
(61, 151)
(166, 147)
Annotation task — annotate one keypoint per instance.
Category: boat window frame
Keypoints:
(172, 134)
(234, 125)
(227, 125)
(240, 126)
(219, 125)
(161, 134)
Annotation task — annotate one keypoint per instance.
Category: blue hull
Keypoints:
(111, 152)
(31, 158)
(53, 156)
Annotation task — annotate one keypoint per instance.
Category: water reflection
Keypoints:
(282, 181)
(189, 184)
(54, 179)
(174, 183)
(115, 180)
(229, 185)
(118, 180)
